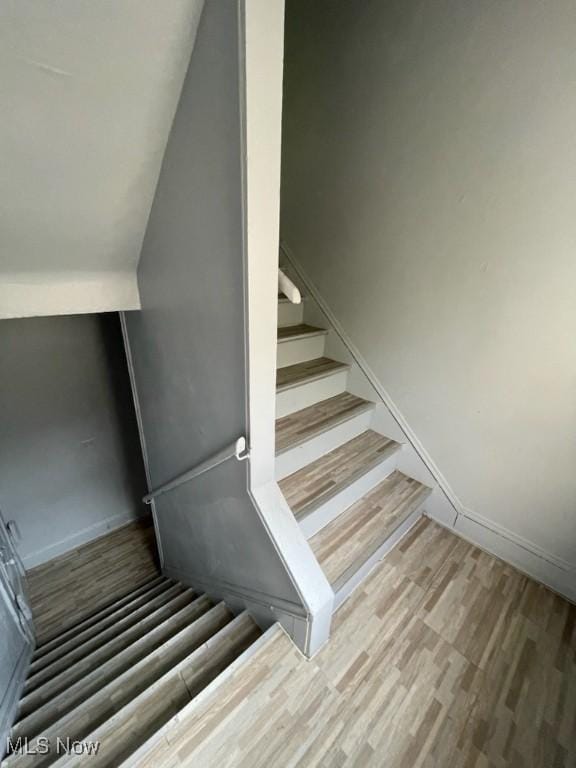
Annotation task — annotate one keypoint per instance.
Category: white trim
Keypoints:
(517, 540)
(78, 539)
(140, 422)
(374, 381)
(526, 556)
(526, 559)
(33, 295)
(261, 29)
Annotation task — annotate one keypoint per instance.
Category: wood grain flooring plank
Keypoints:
(310, 370)
(88, 630)
(444, 658)
(297, 428)
(300, 331)
(72, 586)
(344, 545)
(310, 486)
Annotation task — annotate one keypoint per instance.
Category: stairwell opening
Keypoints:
(71, 465)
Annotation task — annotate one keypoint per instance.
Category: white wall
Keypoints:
(70, 460)
(428, 189)
(88, 95)
(264, 56)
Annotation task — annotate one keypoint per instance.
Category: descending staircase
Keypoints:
(118, 676)
(338, 475)
(107, 687)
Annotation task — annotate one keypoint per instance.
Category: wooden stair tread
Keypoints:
(300, 331)
(78, 583)
(310, 370)
(297, 428)
(309, 487)
(185, 628)
(346, 543)
(90, 629)
(129, 708)
(102, 612)
(131, 726)
(139, 615)
(71, 670)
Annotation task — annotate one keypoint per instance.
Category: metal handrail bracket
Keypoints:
(237, 450)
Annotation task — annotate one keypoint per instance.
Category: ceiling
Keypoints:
(88, 92)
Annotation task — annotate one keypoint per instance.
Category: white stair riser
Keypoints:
(290, 314)
(346, 590)
(294, 399)
(300, 350)
(294, 459)
(333, 507)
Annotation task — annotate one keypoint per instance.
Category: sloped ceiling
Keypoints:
(88, 92)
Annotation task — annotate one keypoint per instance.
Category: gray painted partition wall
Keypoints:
(70, 463)
(188, 342)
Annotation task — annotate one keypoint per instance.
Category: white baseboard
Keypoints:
(525, 556)
(78, 538)
(374, 381)
(444, 505)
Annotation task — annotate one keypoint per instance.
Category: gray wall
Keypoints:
(70, 459)
(188, 342)
(429, 177)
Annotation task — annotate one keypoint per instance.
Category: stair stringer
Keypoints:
(409, 461)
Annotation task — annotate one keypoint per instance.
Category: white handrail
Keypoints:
(287, 287)
(236, 450)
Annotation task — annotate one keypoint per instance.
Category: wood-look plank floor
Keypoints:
(68, 588)
(344, 545)
(310, 370)
(288, 332)
(444, 658)
(297, 428)
(320, 480)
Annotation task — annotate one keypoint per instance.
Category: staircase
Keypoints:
(337, 473)
(118, 676)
